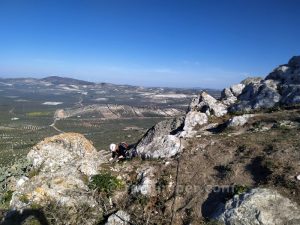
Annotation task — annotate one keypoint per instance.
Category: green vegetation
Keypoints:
(5, 199)
(224, 171)
(106, 182)
(140, 199)
(23, 198)
(240, 189)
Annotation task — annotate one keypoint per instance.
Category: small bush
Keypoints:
(5, 198)
(106, 182)
(240, 189)
(23, 198)
(224, 171)
(140, 199)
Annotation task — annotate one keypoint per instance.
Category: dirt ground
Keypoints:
(216, 165)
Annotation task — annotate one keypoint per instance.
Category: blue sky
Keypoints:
(179, 43)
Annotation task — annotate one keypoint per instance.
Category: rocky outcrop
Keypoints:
(161, 147)
(280, 87)
(229, 95)
(259, 207)
(209, 105)
(160, 141)
(62, 165)
(194, 118)
(237, 89)
(257, 96)
(288, 73)
(65, 150)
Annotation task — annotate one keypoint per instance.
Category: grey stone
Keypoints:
(146, 182)
(208, 105)
(164, 146)
(239, 120)
(252, 80)
(259, 207)
(194, 118)
(119, 218)
(160, 141)
(237, 89)
(290, 94)
(61, 163)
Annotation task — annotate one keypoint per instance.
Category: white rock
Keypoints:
(259, 207)
(161, 141)
(62, 162)
(237, 89)
(165, 146)
(194, 118)
(21, 181)
(238, 121)
(119, 218)
(208, 105)
(146, 183)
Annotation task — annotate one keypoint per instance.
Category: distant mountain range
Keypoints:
(57, 80)
(66, 80)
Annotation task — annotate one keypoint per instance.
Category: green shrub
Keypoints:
(106, 182)
(5, 198)
(140, 199)
(23, 198)
(240, 189)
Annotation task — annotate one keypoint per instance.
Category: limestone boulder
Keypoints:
(62, 166)
(119, 218)
(258, 207)
(207, 104)
(238, 121)
(161, 140)
(193, 119)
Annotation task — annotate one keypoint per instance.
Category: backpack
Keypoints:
(124, 145)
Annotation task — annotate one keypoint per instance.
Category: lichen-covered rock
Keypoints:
(259, 207)
(119, 218)
(194, 118)
(145, 183)
(267, 96)
(207, 104)
(161, 141)
(237, 89)
(164, 146)
(227, 97)
(290, 94)
(238, 121)
(287, 74)
(258, 96)
(59, 151)
(252, 80)
(62, 165)
(280, 73)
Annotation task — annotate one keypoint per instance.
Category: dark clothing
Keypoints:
(121, 151)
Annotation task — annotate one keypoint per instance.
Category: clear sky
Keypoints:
(181, 43)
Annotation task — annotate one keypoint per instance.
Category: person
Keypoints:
(118, 151)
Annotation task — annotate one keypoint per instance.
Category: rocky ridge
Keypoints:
(280, 88)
